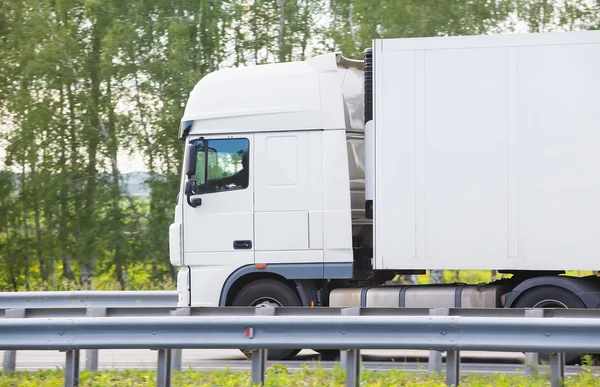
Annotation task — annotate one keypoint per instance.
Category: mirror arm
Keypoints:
(189, 202)
(194, 202)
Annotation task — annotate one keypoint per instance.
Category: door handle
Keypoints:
(239, 245)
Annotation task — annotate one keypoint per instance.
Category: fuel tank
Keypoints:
(420, 296)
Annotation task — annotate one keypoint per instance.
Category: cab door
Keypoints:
(219, 230)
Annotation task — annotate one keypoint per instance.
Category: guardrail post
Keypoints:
(453, 368)
(9, 364)
(353, 368)
(91, 355)
(350, 358)
(176, 354)
(259, 364)
(259, 356)
(163, 373)
(557, 369)
(435, 357)
(532, 359)
(72, 368)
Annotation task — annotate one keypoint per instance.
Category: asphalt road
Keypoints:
(219, 359)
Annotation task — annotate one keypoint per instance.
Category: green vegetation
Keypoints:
(279, 376)
(84, 83)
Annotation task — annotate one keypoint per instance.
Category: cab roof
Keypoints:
(321, 93)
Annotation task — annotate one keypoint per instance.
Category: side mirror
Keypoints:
(191, 161)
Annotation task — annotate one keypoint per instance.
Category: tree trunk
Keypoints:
(67, 271)
(25, 244)
(119, 258)
(88, 263)
(11, 262)
(281, 35)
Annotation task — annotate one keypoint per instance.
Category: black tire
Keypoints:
(551, 297)
(273, 292)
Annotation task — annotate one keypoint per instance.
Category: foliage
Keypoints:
(84, 83)
(279, 376)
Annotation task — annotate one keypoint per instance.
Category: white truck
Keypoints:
(314, 183)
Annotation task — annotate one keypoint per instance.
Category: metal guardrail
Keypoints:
(84, 303)
(77, 304)
(96, 299)
(348, 331)
(98, 304)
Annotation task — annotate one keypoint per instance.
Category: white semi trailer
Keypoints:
(314, 183)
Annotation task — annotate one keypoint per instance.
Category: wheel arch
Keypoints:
(587, 289)
(303, 285)
(229, 293)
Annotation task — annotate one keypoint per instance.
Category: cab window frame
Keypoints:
(235, 159)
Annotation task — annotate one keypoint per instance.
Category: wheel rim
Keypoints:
(550, 303)
(265, 302)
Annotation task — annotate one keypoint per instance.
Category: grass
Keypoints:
(279, 376)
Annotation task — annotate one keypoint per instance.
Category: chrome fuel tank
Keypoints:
(421, 296)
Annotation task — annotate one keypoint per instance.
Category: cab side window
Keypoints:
(222, 165)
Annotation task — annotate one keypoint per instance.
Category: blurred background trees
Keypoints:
(92, 91)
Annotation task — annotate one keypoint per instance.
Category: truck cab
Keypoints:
(278, 154)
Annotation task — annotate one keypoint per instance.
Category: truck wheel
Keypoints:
(268, 293)
(552, 297)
